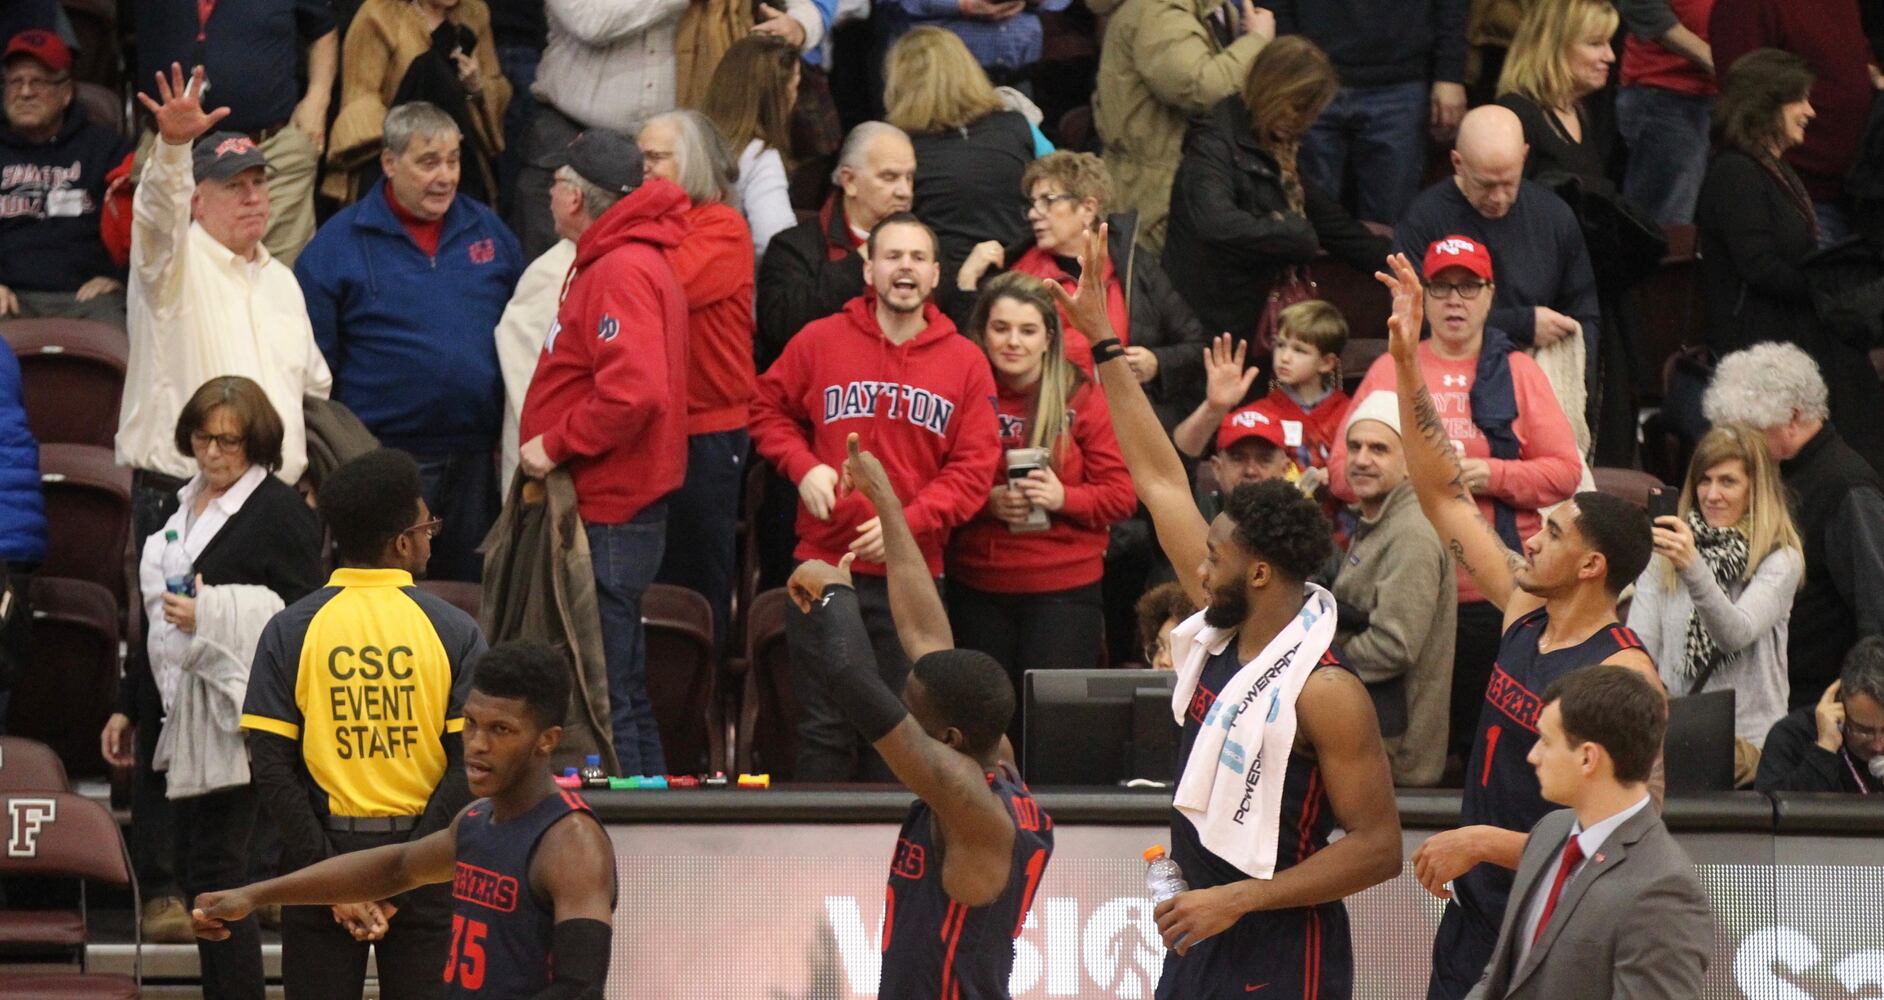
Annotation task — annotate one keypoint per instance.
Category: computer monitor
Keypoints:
(1698, 752)
(1097, 727)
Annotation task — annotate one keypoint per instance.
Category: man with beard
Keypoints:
(1836, 745)
(1280, 743)
(1559, 605)
(892, 369)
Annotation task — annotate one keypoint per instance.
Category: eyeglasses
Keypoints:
(1863, 734)
(226, 442)
(1044, 203)
(24, 82)
(431, 528)
(1467, 290)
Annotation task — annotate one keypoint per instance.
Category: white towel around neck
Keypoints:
(1231, 788)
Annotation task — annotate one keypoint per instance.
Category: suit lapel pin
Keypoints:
(1599, 857)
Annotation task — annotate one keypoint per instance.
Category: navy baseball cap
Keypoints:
(605, 158)
(222, 155)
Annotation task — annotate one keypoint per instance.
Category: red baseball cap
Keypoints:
(42, 45)
(1247, 423)
(1458, 251)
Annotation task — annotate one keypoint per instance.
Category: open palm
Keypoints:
(1409, 307)
(1226, 381)
(1085, 309)
(179, 110)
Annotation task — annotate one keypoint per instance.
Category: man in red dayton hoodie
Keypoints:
(609, 400)
(891, 369)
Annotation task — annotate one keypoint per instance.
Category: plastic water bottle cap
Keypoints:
(1154, 852)
(569, 772)
(170, 534)
(595, 760)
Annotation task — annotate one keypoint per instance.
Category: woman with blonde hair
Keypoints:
(1024, 575)
(1713, 605)
(1560, 56)
(750, 100)
(1243, 217)
(970, 149)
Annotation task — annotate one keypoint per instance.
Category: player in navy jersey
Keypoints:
(975, 843)
(1285, 933)
(532, 872)
(1559, 603)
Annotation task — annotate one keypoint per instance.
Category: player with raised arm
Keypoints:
(533, 889)
(1559, 603)
(1280, 743)
(975, 844)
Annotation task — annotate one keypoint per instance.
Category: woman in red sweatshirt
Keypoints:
(715, 266)
(1024, 575)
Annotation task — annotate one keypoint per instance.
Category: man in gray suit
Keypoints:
(1602, 885)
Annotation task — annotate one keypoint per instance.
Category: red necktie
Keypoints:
(1572, 856)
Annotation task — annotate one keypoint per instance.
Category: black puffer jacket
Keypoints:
(1231, 232)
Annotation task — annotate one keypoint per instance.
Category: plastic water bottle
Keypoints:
(179, 577)
(1163, 878)
(592, 774)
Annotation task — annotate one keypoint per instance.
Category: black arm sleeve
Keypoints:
(281, 783)
(1793, 761)
(580, 950)
(848, 668)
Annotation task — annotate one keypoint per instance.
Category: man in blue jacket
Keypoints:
(404, 290)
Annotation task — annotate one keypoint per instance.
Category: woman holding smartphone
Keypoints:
(1712, 606)
(1023, 576)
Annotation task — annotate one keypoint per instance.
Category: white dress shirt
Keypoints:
(610, 63)
(165, 642)
(1591, 840)
(197, 311)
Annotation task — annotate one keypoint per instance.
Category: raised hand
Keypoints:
(180, 115)
(865, 474)
(1085, 309)
(1409, 307)
(773, 21)
(811, 577)
(1226, 381)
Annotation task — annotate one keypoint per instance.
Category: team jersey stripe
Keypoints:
(952, 933)
(286, 730)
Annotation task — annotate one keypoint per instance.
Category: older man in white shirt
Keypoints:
(206, 298)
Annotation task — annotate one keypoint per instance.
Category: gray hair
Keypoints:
(857, 143)
(705, 166)
(415, 118)
(595, 199)
(1863, 671)
(1762, 385)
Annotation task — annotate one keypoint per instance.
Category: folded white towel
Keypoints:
(1231, 789)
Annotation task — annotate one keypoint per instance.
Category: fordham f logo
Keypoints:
(27, 817)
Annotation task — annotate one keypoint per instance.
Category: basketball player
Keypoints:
(1264, 912)
(532, 872)
(1559, 602)
(975, 844)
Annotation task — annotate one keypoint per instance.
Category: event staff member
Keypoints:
(975, 843)
(548, 943)
(1264, 906)
(1559, 604)
(609, 401)
(891, 368)
(1024, 574)
(1836, 745)
(354, 708)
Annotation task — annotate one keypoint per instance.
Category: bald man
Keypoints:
(1546, 290)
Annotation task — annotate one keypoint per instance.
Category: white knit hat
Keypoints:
(1380, 405)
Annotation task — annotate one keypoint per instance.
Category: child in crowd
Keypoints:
(1304, 399)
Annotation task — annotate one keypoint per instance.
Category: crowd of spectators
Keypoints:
(678, 256)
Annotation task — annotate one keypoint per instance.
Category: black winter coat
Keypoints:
(968, 184)
(1231, 232)
(809, 271)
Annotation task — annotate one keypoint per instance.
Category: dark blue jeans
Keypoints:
(1377, 135)
(1666, 133)
(518, 63)
(703, 523)
(460, 487)
(626, 557)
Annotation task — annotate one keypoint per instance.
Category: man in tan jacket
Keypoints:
(1163, 62)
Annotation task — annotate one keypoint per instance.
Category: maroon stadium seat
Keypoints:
(88, 515)
(1358, 356)
(30, 766)
(72, 377)
(1362, 299)
(768, 712)
(64, 695)
(682, 681)
(102, 105)
(464, 595)
(1632, 485)
(62, 835)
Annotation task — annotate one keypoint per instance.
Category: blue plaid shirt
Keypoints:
(1013, 44)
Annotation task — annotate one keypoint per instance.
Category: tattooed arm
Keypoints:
(1433, 465)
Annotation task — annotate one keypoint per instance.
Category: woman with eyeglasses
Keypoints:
(1068, 194)
(1516, 446)
(241, 546)
(1713, 605)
